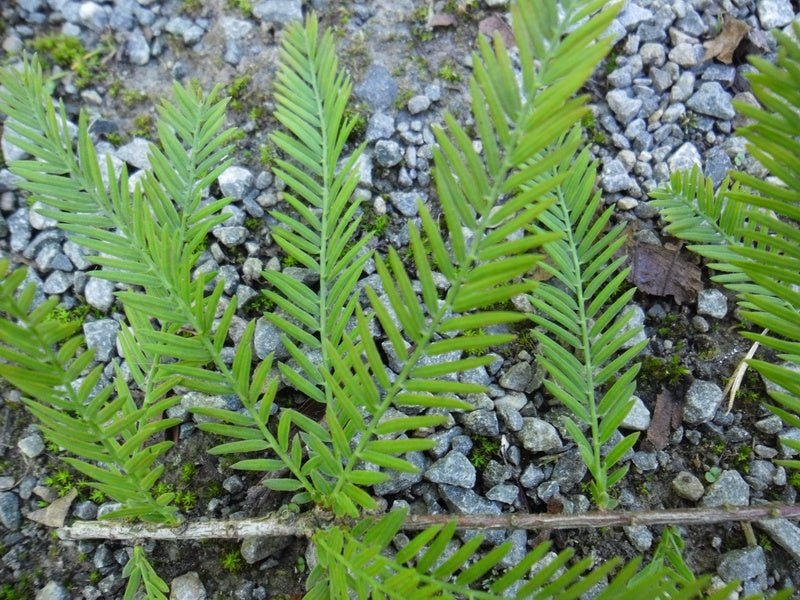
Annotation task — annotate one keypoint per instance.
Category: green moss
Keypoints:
(232, 561)
(114, 138)
(483, 450)
(237, 90)
(191, 7)
(143, 125)
(448, 72)
(72, 315)
(131, 98)
(187, 472)
(186, 500)
(402, 99)
(259, 306)
(62, 481)
(69, 52)
(289, 261)
(794, 480)
(355, 114)
(267, 154)
(594, 134)
(374, 223)
(253, 223)
(658, 371)
(419, 24)
(741, 459)
(245, 6)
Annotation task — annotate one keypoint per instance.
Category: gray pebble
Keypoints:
(235, 182)
(418, 104)
(137, 48)
(406, 202)
(775, 13)
(231, 236)
(702, 401)
(743, 564)
(684, 158)
(453, 469)
(625, 107)
(189, 587)
(279, 11)
(537, 435)
(517, 377)
(9, 510)
(638, 419)
(688, 486)
(102, 336)
(713, 303)
(388, 153)
(53, 591)
(729, 489)
(31, 445)
(378, 88)
(712, 100)
(99, 293)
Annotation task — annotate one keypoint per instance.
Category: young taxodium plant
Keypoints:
(750, 229)
(147, 236)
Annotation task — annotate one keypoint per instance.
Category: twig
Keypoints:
(305, 525)
(738, 375)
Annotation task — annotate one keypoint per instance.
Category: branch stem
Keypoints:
(304, 526)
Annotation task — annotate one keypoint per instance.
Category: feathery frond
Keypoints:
(47, 361)
(485, 266)
(435, 564)
(583, 338)
(774, 139)
(312, 93)
(140, 574)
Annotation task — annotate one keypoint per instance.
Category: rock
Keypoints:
(517, 377)
(19, 228)
(640, 536)
(9, 510)
(235, 182)
(632, 15)
(53, 591)
(729, 489)
(230, 236)
(102, 336)
(267, 339)
(380, 127)
(638, 419)
(504, 492)
(625, 107)
(482, 422)
(615, 177)
(99, 293)
(187, 587)
(31, 445)
(257, 549)
(687, 54)
(537, 435)
(388, 153)
(378, 88)
(688, 486)
(718, 164)
(137, 48)
(702, 401)
(770, 425)
(57, 282)
(742, 565)
(775, 13)
(453, 469)
(531, 477)
(93, 16)
(192, 400)
(569, 470)
(401, 481)
(136, 153)
(684, 158)
(418, 104)
(406, 202)
(713, 101)
(645, 461)
(38, 220)
(233, 484)
(86, 510)
(464, 501)
(785, 533)
(636, 322)
(279, 11)
(713, 303)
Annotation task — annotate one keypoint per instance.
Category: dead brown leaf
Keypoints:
(54, 514)
(725, 44)
(665, 414)
(494, 24)
(662, 271)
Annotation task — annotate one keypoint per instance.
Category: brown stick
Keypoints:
(304, 525)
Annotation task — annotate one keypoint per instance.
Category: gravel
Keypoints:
(742, 564)
(453, 469)
(728, 490)
(702, 401)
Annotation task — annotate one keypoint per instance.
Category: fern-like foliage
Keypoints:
(582, 323)
(772, 259)
(751, 230)
(44, 359)
(312, 94)
(142, 576)
(515, 123)
(358, 563)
